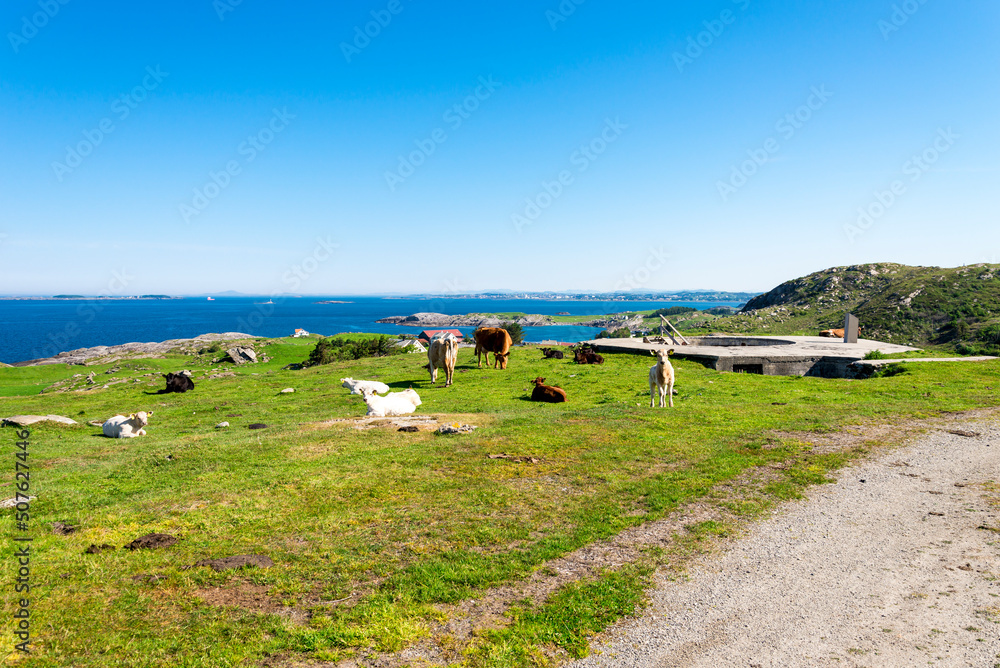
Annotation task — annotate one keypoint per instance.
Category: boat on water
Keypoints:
(211, 299)
(269, 301)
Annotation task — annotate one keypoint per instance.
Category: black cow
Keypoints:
(178, 382)
(552, 354)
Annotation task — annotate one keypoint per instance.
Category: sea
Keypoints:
(37, 328)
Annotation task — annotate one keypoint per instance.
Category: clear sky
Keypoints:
(416, 146)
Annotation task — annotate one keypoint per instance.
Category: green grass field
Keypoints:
(379, 537)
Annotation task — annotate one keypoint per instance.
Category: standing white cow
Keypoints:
(127, 427)
(661, 378)
(442, 353)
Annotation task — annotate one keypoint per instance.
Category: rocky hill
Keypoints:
(894, 302)
(470, 320)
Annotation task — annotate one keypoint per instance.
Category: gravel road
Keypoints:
(896, 564)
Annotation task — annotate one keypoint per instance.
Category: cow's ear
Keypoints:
(670, 352)
(149, 414)
(653, 353)
(131, 416)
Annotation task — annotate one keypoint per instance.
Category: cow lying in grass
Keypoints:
(661, 377)
(127, 427)
(178, 382)
(358, 386)
(395, 403)
(587, 355)
(550, 354)
(549, 393)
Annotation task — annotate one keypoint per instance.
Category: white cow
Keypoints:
(396, 403)
(127, 427)
(442, 353)
(661, 378)
(358, 386)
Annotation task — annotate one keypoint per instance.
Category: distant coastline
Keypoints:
(103, 298)
(44, 327)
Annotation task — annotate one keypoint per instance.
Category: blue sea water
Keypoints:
(42, 328)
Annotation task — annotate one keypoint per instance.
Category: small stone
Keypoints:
(288, 390)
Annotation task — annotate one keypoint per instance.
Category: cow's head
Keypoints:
(662, 355)
(502, 358)
(538, 381)
(142, 417)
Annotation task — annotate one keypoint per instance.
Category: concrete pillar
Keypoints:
(850, 329)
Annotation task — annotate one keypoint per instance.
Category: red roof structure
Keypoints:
(428, 334)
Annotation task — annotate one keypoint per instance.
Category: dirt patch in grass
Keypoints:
(421, 422)
(254, 598)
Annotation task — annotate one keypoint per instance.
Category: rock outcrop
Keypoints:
(470, 320)
(109, 354)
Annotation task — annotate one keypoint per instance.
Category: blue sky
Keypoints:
(205, 146)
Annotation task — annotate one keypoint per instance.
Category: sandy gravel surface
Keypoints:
(894, 565)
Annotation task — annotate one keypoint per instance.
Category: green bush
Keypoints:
(977, 349)
(674, 310)
(340, 349)
(875, 355)
(990, 334)
(515, 330)
(620, 333)
(890, 370)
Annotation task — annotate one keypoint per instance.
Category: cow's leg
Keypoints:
(670, 391)
(652, 393)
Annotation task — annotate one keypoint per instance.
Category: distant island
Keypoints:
(332, 301)
(685, 296)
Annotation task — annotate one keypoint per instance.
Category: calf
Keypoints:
(549, 393)
(178, 382)
(550, 354)
(395, 403)
(442, 352)
(832, 333)
(587, 355)
(661, 377)
(358, 386)
(127, 427)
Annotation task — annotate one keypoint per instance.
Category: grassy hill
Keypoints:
(385, 541)
(958, 307)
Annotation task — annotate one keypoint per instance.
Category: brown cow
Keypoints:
(832, 333)
(549, 393)
(492, 340)
(587, 355)
(549, 353)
